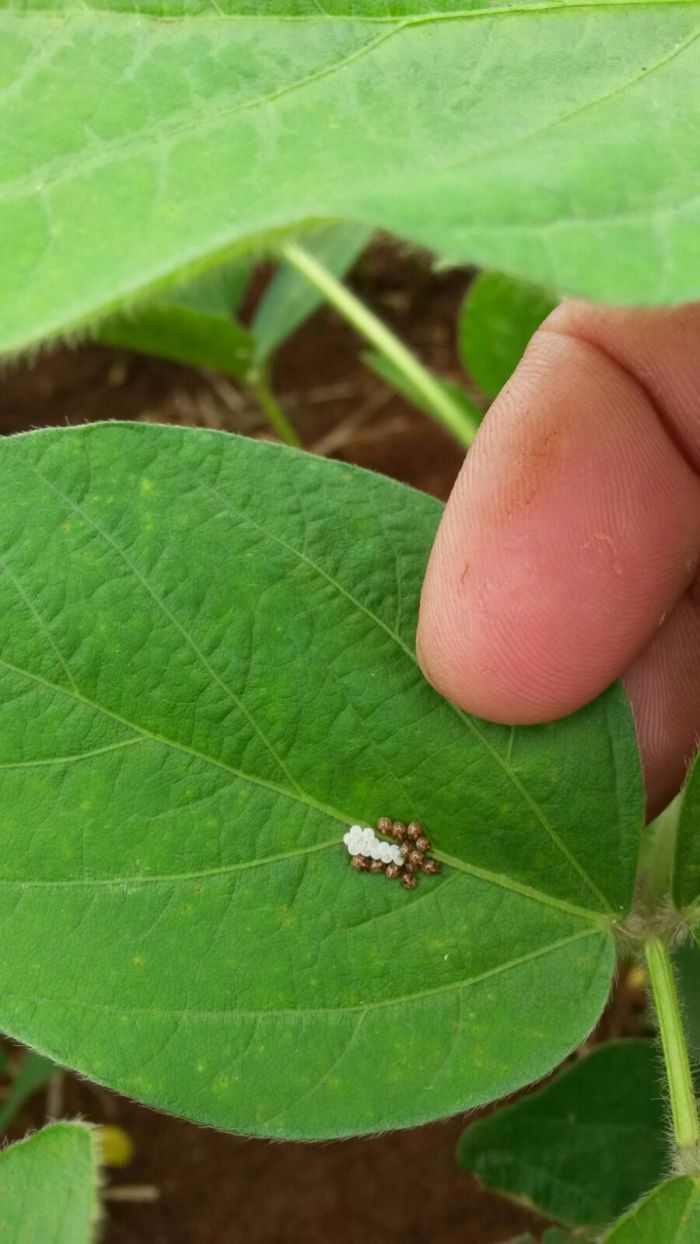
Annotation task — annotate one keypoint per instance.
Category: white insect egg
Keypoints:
(353, 839)
(364, 841)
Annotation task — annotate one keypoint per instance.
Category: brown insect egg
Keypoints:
(405, 850)
(431, 866)
(377, 866)
(415, 859)
(398, 830)
(392, 871)
(359, 862)
(408, 881)
(415, 829)
(422, 844)
(385, 825)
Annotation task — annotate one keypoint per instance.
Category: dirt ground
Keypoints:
(191, 1185)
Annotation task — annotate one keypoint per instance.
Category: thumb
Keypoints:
(574, 527)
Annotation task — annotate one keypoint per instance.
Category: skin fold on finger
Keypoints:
(663, 685)
(574, 526)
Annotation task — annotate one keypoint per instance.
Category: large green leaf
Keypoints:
(207, 673)
(585, 1147)
(668, 1215)
(135, 150)
(686, 871)
(497, 320)
(48, 1187)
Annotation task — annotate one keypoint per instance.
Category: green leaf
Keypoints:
(289, 299)
(35, 1071)
(48, 1187)
(686, 871)
(392, 375)
(219, 290)
(193, 324)
(584, 1147)
(498, 317)
(207, 674)
(686, 959)
(138, 148)
(668, 1215)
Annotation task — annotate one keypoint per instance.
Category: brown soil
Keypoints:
(212, 1188)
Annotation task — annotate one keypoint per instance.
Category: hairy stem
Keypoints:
(440, 401)
(686, 1126)
(257, 380)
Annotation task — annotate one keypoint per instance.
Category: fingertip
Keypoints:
(571, 531)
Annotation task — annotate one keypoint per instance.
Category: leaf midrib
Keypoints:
(388, 19)
(596, 918)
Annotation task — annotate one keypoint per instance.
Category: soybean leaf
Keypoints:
(35, 1071)
(671, 1213)
(289, 299)
(48, 1187)
(498, 317)
(584, 1147)
(139, 147)
(207, 673)
(686, 873)
(388, 372)
(686, 959)
(193, 324)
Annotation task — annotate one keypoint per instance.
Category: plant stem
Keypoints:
(258, 383)
(439, 399)
(686, 1125)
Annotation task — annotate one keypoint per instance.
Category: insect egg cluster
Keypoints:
(401, 859)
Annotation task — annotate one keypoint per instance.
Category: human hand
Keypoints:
(568, 553)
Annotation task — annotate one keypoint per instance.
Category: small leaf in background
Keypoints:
(387, 371)
(289, 299)
(49, 1187)
(686, 959)
(192, 324)
(35, 1071)
(584, 1147)
(208, 673)
(668, 1215)
(498, 317)
(686, 871)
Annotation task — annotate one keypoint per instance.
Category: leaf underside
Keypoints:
(48, 1187)
(207, 673)
(135, 150)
